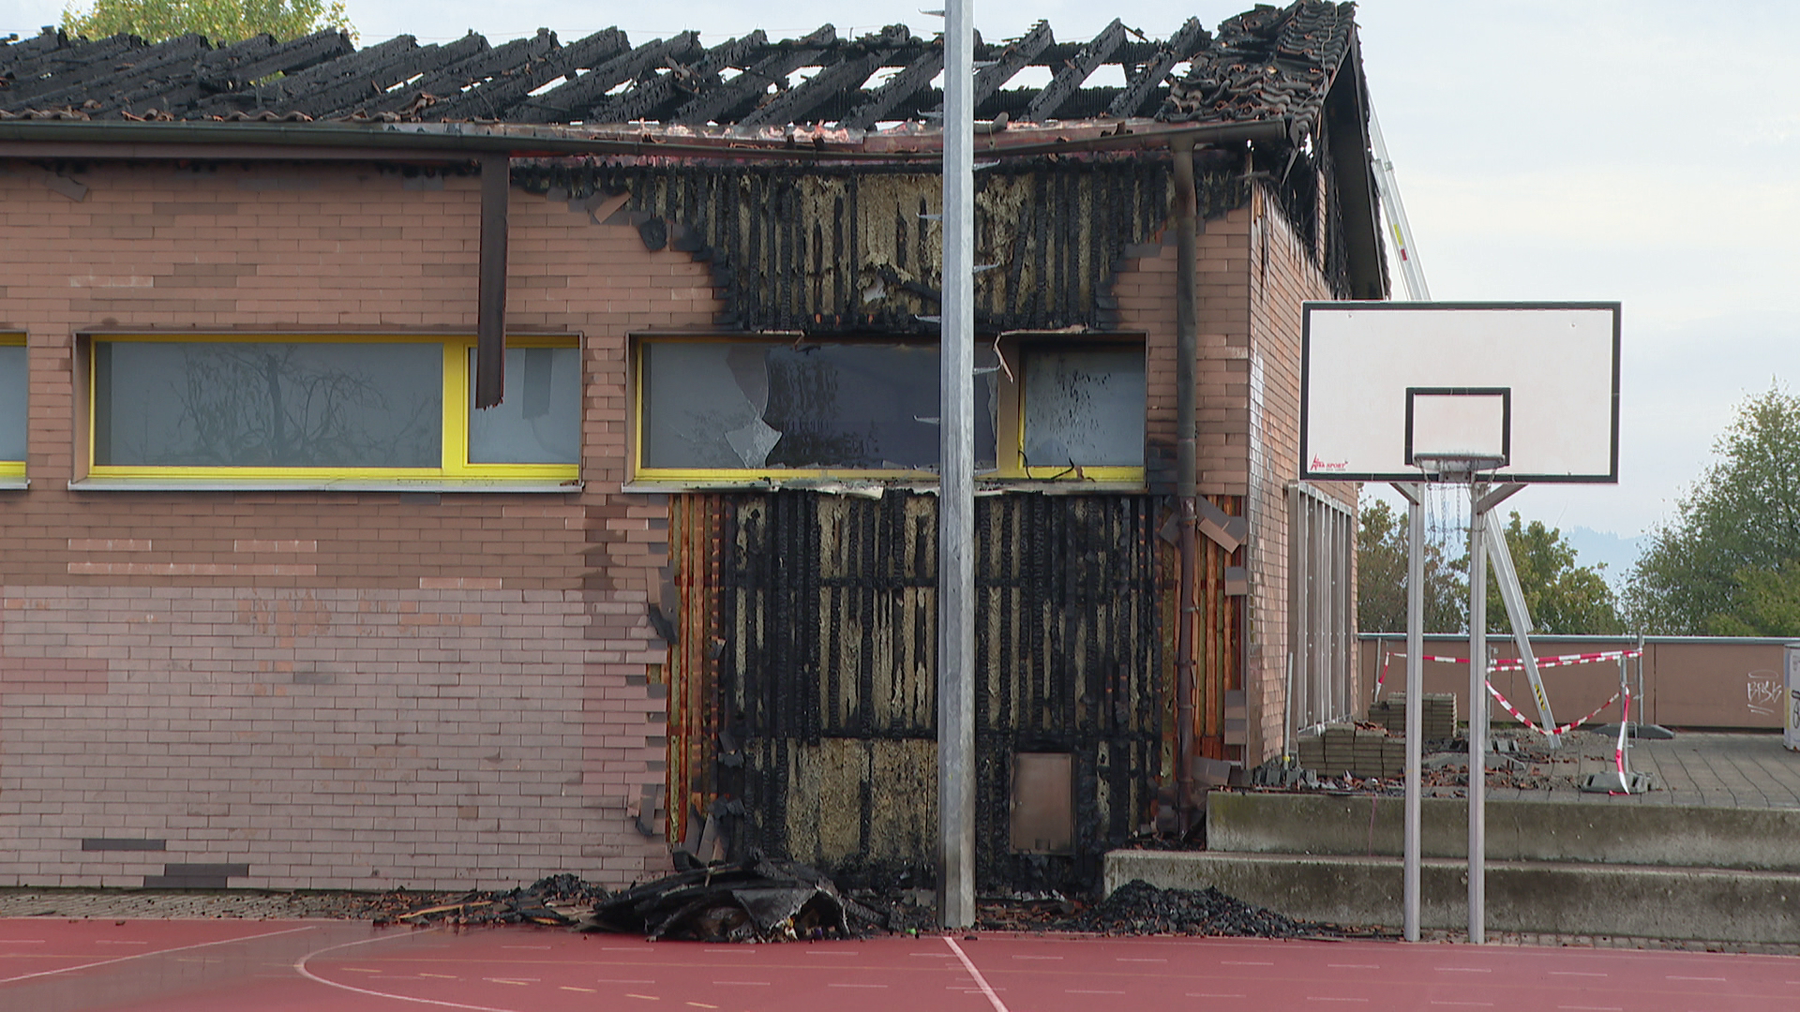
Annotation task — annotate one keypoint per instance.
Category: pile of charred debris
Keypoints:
(766, 900)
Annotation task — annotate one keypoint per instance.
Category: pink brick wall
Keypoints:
(338, 689)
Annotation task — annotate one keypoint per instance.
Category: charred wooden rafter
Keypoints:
(653, 94)
(749, 86)
(1270, 63)
(1068, 80)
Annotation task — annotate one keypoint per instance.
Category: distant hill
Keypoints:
(1619, 554)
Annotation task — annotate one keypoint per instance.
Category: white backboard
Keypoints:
(1386, 387)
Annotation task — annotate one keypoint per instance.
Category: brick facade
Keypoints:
(330, 689)
(432, 688)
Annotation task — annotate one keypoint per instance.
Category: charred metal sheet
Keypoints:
(756, 900)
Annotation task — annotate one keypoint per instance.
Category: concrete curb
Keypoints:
(1758, 839)
(1560, 898)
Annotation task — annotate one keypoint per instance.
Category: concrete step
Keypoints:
(1625, 831)
(1583, 898)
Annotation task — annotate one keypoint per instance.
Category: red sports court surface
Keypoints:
(51, 965)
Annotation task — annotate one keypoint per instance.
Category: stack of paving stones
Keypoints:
(1436, 709)
(1362, 751)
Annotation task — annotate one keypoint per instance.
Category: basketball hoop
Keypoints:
(1456, 469)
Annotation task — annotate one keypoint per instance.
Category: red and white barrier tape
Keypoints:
(1509, 663)
(1528, 722)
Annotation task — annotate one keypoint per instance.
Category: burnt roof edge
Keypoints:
(110, 140)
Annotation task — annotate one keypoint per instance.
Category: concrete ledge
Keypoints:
(1634, 833)
(1579, 899)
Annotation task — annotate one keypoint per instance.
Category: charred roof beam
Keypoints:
(653, 94)
(495, 98)
(748, 86)
(291, 57)
(571, 100)
(313, 82)
(1141, 88)
(884, 101)
(110, 89)
(71, 66)
(487, 62)
(359, 95)
(1068, 80)
(796, 104)
(1008, 61)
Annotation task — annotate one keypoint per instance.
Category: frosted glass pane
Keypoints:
(267, 404)
(538, 420)
(13, 419)
(1084, 408)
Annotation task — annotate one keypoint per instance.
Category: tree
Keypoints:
(1563, 599)
(1727, 564)
(221, 21)
(1381, 557)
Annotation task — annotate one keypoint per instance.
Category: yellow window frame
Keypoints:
(458, 381)
(16, 468)
(736, 475)
(1009, 431)
(1011, 417)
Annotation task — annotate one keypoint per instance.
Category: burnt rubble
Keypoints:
(759, 900)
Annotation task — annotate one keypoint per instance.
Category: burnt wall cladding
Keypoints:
(828, 632)
(848, 249)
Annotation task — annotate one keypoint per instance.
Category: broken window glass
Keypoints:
(13, 384)
(538, 420)
(1084, 407)
(268, 404)
(717, 405)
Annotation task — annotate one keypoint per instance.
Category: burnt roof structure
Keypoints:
(1269, 63)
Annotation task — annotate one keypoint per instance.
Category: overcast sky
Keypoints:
(1638, 151)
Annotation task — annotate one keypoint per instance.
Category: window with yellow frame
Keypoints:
(15, 385)
(275, 408)
(717, 409)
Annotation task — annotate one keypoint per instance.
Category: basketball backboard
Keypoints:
(1390, 390)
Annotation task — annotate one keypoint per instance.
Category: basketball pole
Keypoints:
(1482, 501)
(1415, 690)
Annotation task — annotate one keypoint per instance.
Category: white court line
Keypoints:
(934, 955)
(741, 983)
(1464, 969)
(1243, 962)
(1575, 973)
(980, 981)
(1075, 991)
(1720, 980)
(524, 946)
(856, 985)
(1591, 1008)
(1205, 995)
(1140, 959)
(1314, 997)
(300, 968)
(1037, 957)
(621, 980)
(158, 952)
(118, 941)
(1354, 966)
(1481, 1004)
